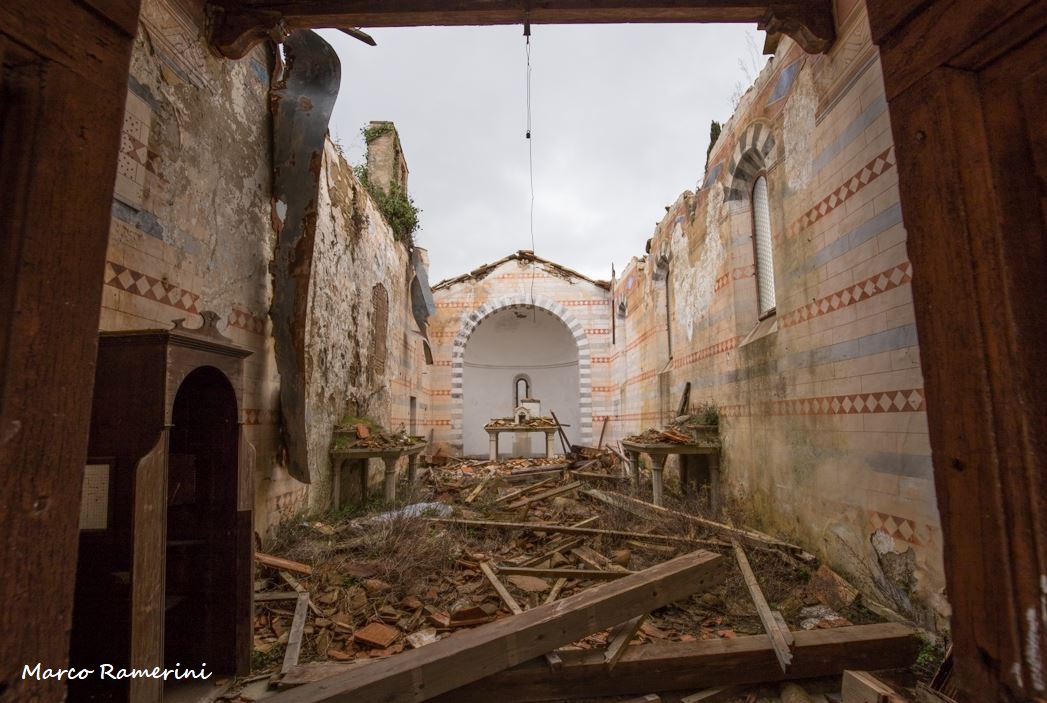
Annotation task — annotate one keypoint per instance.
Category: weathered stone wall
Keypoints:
(363, 348)
(462, 303)
(822, 402)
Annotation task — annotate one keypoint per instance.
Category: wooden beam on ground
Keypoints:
(525, 489)
(466, 656)
(567, 544)
(564, 529)
(473, 494)
(620, 640)
(560, 490)
(500, 588)
(749, 537)
(770, 624)
(554, 592)
(294, 638)
(603, 431)
(281, 564)
(690, 666)
(581, 574)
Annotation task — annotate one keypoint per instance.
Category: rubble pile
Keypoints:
(483, 541)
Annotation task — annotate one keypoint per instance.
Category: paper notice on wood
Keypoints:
(94, 505)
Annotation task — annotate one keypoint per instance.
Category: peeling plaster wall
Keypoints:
(822, 406)
(355, 251)
(190, 228)
(192, 231)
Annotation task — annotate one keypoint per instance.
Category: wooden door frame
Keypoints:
(54, 254)
(64, 77)
(972, 200)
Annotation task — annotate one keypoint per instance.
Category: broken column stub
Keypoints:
(386, 164)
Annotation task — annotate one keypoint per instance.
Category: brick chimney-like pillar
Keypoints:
(385, 157)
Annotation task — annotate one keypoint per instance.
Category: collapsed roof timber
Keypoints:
(784, 297)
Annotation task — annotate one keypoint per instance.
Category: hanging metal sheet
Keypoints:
(301, 101)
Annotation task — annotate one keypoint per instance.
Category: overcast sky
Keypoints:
(620, 125)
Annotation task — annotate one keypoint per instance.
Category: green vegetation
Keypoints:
(372, 132)
(396, 206)
(707, 414)
(714, 134)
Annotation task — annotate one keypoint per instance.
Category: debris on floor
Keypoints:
(485, 542)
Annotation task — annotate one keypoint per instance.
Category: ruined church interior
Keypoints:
(791, 451)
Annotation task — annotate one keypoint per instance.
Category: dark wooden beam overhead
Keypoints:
(240, 24)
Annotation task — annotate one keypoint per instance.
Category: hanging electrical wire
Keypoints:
(530, 149)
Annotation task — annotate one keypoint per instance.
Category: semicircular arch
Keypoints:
(469, 322)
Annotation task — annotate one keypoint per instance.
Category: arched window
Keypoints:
(762, 245)
(521, 389)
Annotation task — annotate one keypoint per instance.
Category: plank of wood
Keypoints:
(525, 489)
(500, 589)
(620, 640)
(294, 638)
(603, 431)
(770, 625)
(281, 564)
(554, 593)
(656, 548)
(750, 537)
(597, 477)
(582, 574)
(592, 558)
(563, 435)
(299, 588)
(565, 529)
(690, 666)
(783, 627)
(567, 544)
(420, 674)
(478, 490)
(560, 490)
(863, 687)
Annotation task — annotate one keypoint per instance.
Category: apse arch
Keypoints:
(469, 322)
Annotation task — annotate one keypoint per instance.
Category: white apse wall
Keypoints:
(520, 340)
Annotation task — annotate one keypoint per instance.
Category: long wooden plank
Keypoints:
(770, 623)
(645, 509)
(690, 666)
(500, 588)
(525, 489)
(582, 574)
(294, 639)
(560, 490)
(282, 564)
(564, 529)
(567, 544)
(468, 655)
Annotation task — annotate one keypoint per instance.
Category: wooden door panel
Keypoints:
(967, 112)
(63, 83)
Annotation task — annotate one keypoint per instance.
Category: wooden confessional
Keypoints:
(166, 554)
